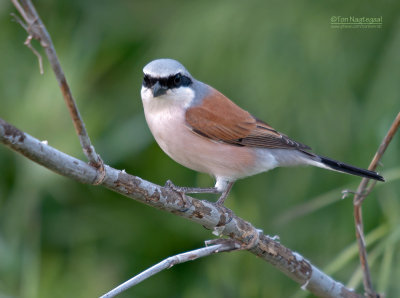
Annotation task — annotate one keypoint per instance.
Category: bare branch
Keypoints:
(205, 213)
(220, 219)
(226, 245)
(360, 195)
(35, 52)
(36, 30)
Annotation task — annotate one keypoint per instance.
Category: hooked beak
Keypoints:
(158, 90)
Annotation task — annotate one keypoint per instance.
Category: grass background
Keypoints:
(335, 90)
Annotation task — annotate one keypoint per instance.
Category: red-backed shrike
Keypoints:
(200, 128)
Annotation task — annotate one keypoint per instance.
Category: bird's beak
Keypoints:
(158, 90)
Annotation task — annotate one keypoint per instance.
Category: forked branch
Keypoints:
(37, 30)
(224, 246)
(219, 219)
(359, 197)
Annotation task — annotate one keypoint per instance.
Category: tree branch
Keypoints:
(224, 246)
(360, 195)
(37, 30)
(220, 219)
(213, 217)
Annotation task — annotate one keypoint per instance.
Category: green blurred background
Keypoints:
(335, 90)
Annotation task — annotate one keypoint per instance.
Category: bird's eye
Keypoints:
(177, 80)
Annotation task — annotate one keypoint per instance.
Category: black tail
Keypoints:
(345, 168)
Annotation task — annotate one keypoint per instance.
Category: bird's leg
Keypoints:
(225, 193)
(185, 190)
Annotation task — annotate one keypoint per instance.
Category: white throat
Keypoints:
(181, 97)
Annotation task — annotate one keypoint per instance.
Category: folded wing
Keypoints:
(219, 119)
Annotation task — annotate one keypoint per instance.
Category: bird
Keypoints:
(203, 130)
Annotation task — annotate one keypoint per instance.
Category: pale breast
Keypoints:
(167, 124)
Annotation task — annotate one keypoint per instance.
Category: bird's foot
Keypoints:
(185, 190)
(172, 186)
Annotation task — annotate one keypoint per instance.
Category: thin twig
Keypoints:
(28, 41)
(205, 213)
(37, 30)
(360, 195)
(309, 276)
(227, 245)
(35, 52)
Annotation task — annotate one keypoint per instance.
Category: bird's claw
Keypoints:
(178, 189)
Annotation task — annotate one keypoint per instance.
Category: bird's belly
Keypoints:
(199, 153)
